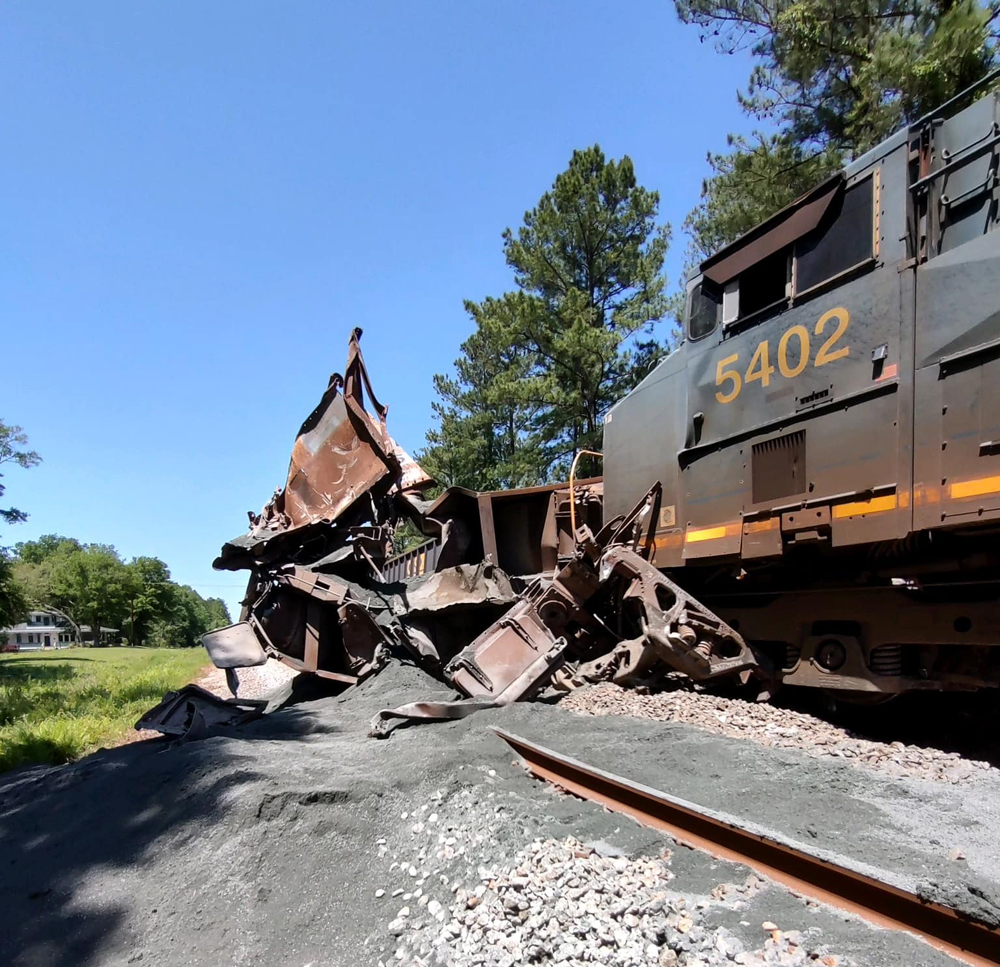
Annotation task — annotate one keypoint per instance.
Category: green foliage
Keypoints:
(836, 77)
(13, 441)
(185, 618)
(406, 537)
(56, 707)
(13, 601)
(485, 421)
(91, 584)
(749, 183)
(548, 360)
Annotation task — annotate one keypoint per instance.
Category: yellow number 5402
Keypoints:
(760, 368)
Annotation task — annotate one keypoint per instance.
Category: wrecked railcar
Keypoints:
(513, 591)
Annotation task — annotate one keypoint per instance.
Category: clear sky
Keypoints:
(198, 201)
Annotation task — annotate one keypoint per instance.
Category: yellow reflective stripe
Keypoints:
(669, 540)
(711, 533)
(974, 488)
(757, 526)
(876, 505)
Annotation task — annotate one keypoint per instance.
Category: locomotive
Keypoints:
(827, 435)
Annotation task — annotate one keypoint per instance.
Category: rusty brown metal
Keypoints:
(608, 584)
(341, 452)
(507, 594)
(681, 631)
(879, 903)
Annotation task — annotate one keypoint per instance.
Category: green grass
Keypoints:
(57, 706)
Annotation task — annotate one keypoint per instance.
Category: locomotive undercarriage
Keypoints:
(917, 615)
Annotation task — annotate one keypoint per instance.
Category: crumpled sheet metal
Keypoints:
(608, 584)
(341, 451)
(514, 598)
(342, 461)
(192, 712)
(463, 586)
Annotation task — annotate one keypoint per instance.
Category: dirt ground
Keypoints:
(294, 840)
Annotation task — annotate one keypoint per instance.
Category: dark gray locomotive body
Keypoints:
(828, 433)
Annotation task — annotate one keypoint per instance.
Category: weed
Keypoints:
(58, 706)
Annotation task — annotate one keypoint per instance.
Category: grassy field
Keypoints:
(56, 706)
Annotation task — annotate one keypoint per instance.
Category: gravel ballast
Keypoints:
(775, 727)
(294, 841)
(571, 903)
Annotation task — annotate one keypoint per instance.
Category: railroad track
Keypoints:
(879, 903)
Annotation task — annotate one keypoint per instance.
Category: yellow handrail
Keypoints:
(572, 475)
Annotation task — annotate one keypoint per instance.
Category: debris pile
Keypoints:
(775, 727)
(511, 591)
(563, 902)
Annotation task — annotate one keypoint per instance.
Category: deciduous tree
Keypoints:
(13, 450)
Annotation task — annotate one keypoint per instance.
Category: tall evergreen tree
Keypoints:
(574, 337)
(484, 438)
(835, 77)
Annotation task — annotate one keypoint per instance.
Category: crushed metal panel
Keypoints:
(510, 659)
(234, 646)
(191, 711)
(341, 451)
(464, 586)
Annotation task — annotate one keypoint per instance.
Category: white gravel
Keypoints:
(563, 902)
(772, 726)
(257, 682)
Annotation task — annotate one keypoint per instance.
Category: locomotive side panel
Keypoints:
(799, 412)
(831, 436)
(957, 462)
(642, 435)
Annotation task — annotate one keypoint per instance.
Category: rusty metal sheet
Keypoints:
(341, 451)
(466, 585)
(510, 659)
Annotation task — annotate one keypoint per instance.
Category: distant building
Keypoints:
(40, 629)
(44, 629)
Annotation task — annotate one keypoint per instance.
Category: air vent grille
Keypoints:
(779, 467)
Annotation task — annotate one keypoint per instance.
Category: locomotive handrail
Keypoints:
(941, 108)
(979, 149)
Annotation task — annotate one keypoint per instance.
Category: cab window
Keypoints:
(843, 241)
(703, 309)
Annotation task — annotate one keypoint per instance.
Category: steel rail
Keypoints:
(879, 903)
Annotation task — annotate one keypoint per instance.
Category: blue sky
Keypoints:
(199, 201)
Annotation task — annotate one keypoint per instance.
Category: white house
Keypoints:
(40, 629)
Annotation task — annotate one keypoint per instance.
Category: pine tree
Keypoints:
(836, 77)
(548, 360)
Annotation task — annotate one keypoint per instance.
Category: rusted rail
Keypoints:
(879, 903)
